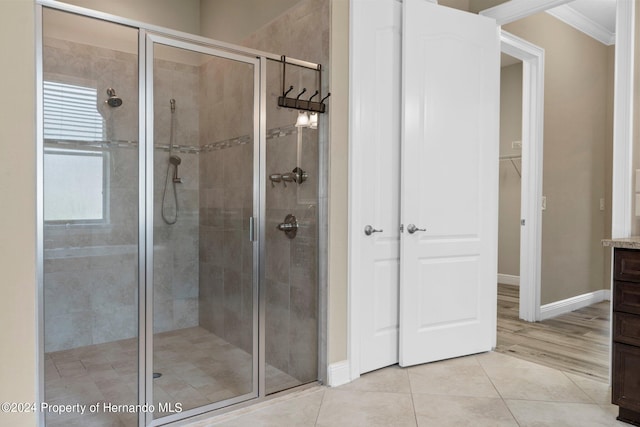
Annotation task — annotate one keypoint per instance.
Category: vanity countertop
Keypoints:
(632, 242)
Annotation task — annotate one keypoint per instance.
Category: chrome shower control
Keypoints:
(289, 177)
(300, 175)
(412, 229)
(369, 230)
(289, 226)
(275, 177)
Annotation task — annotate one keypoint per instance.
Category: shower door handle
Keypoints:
(252, 229)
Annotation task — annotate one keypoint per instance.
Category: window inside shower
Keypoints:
(77, 190)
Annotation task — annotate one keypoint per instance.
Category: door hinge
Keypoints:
(522, 222)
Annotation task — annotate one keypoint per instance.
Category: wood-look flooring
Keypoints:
(576, 342)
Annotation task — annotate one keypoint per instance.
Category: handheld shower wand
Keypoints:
(175, 161)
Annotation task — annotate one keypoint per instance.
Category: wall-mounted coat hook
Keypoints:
(304, 89)
(297, 103)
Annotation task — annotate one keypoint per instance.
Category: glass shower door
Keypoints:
(90, 227)
(205, 132)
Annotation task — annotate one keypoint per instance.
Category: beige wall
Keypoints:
(338, 179)
(510, 181)
(478, 5)
(608, 165)
(17, 216)
(183, 15)
(226, 20)
(575, 146)
(455, 4)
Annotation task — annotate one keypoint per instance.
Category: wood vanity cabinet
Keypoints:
(626, 335)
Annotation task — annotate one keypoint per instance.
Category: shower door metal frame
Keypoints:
(147, 32)
(152, 38)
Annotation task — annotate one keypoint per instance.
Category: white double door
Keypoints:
(425, 111)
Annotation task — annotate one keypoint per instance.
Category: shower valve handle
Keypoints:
(289, 226)
(286, 227)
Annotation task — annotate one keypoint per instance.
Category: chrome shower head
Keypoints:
(175, 160)
(113, 101)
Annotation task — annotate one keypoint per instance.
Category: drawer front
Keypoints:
(627, 265)
(626, 297)
(626, 328)
(626, 371)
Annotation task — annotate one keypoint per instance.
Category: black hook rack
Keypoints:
(302, 104)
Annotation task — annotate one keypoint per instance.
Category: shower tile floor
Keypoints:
(197, 367)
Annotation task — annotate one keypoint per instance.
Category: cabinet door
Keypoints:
(449, 183)
(626, 297)
(626, 376)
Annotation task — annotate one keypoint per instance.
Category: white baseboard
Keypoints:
(568, 305)
(338, 374)
(508, 279)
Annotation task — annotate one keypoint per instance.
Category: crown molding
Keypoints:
(518, 9)
(580, 22)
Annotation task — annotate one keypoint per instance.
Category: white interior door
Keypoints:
(376, 177)
(449, 183)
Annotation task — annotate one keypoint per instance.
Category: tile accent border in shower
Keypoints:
(213, 146)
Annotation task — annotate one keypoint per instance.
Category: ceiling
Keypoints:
(596, 18)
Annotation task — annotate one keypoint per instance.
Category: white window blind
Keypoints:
(75, 185)
(70, 113)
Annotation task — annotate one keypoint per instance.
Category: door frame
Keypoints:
(532, 127)
(532, 58)
(348, 370)
(622, 188)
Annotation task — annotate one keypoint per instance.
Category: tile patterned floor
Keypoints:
(489, 389)
(197, 368)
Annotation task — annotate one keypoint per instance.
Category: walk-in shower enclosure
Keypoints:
(168, 285)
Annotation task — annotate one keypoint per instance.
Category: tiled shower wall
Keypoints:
(203, 264)
(91, 271)
(226, 187)
(176, 246)
(292, 264)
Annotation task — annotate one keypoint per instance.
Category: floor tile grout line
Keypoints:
(413, 405)
(504, 402)
(324, 394)
(411, 392)
(581, 389)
